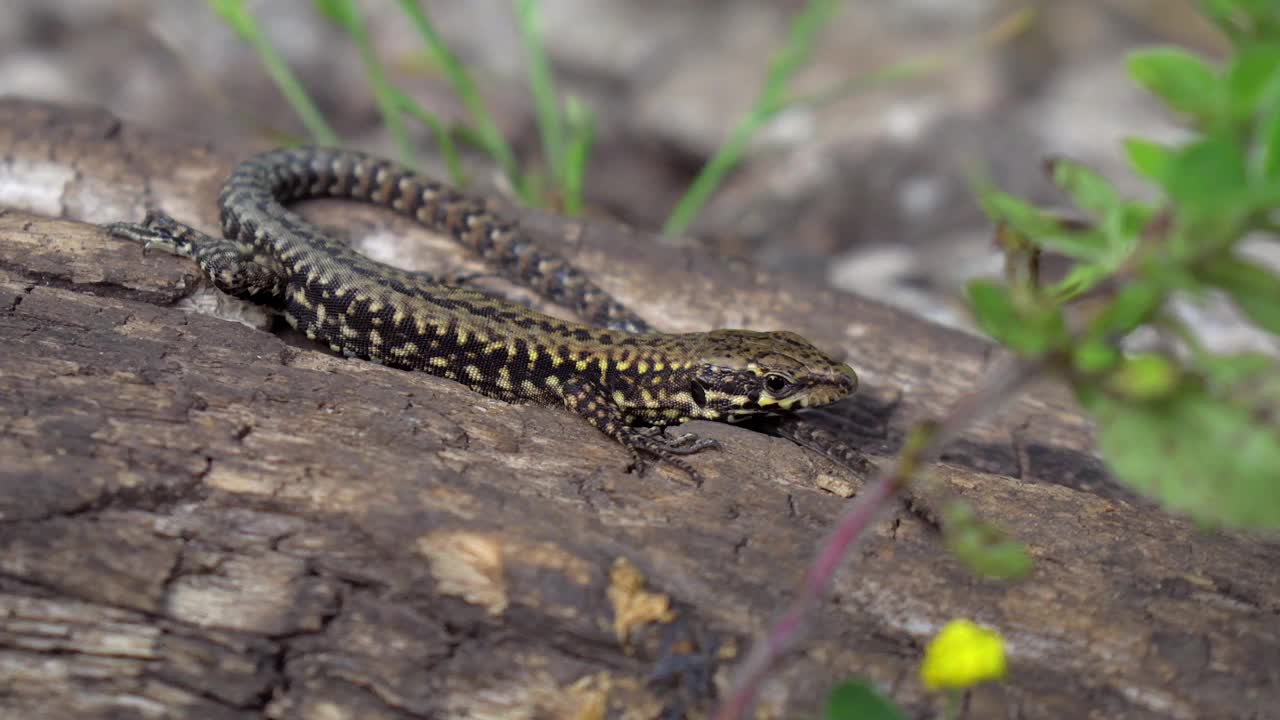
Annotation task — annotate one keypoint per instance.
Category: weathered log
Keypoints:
(203, 519)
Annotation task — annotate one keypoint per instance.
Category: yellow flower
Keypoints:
(962, 654)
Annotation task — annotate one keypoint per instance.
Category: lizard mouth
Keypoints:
(799, 402)
(835, 389)
(825, 396)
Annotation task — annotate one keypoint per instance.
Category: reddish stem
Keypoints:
(1002, 384)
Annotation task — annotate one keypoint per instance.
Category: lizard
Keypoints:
(612, 369)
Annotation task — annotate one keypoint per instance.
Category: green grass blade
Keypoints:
(799, 48)
(347, 16)
(581, 122)
(441, 134)
(456, 75)
(237, 16)
(794, 56)
(546, 105)
(1006, 29)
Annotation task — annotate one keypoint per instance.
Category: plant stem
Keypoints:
(924, 444)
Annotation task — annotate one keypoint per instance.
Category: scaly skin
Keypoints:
(626, 380)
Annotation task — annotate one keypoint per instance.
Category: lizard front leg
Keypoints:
(232, 267)
(591, 403)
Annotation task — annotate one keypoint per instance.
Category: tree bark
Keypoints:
(202, 519)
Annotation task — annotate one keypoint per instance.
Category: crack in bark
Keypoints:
(101, 288)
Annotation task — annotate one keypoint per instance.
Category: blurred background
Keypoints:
(862, 185)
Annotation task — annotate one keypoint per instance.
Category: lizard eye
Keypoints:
(775, 383)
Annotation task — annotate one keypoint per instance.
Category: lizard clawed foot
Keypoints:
(643, 441)
(156, 231)
(682, 444)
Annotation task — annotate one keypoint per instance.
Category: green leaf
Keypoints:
(1245, 20)
(1123, 228)
(1209, 184)
(1145, 377)
(1088, 190)
(992, 555)
(235, 15)
(1181, 79)
(1149, 159)
(1079, 281)
(1031, 331)
(1094, 356)
(1044, 230)
(1087, 245)
(1253, 81)
(1211, 453)
(1044, 330)
(1130, 308)
(859, 700)
(1228, 371)
(1254, 288)
(1223, 14)
(992, 307)
(1269, 141)
(1208, 173)
(1021, 215)
(985, 549)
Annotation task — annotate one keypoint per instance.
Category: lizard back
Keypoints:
(368, 309)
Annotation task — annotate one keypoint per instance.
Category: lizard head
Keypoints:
(740, 373)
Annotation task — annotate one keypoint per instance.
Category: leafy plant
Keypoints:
(1196, 430)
